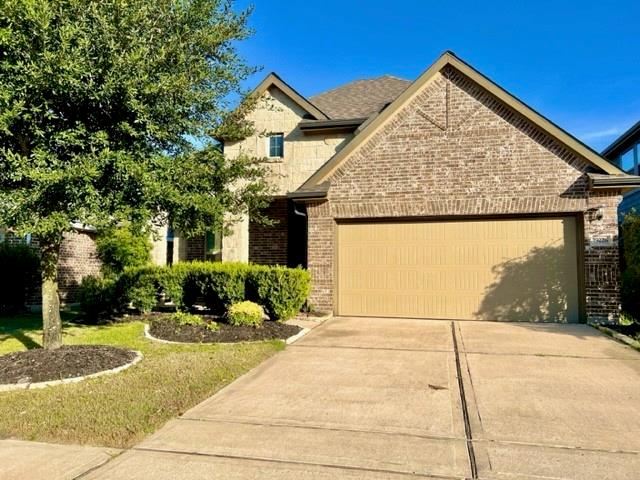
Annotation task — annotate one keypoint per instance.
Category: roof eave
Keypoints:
(307, 196)
(614, 182)
(330, 126)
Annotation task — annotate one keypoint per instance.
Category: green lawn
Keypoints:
(118, 410)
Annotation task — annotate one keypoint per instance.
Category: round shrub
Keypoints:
(245, 314)
(281, 290)
(219, 285)
(139, 287)
(97, 298)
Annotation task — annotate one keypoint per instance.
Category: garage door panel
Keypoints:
(522, 269)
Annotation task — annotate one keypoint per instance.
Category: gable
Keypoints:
(446, 63)
(455, 140)
(272, 80)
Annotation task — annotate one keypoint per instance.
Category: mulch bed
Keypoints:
(39, 365)
(632, 330)
(166, 329)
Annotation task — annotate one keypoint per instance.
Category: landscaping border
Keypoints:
(617, 336)
(51, 383)
(147, 334)
(319, 319)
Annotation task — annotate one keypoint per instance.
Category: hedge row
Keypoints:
(281, 291)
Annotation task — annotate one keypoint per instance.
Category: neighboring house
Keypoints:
(445, 197)
(78, 258)
(625, 154)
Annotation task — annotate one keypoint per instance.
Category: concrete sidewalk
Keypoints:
(21, 460)
(397, 398)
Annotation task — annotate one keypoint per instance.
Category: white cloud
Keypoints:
(604, 133)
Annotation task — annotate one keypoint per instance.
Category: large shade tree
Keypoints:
(101, 103)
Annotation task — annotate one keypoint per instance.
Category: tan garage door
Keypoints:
(517, 270)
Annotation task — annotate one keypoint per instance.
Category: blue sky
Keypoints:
(578, 63)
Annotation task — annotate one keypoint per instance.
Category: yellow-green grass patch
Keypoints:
(119, 410)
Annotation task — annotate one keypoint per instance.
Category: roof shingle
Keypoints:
(361, 98)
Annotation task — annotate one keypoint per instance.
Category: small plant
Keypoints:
(245, 314)
(184, 318)
(626, 319)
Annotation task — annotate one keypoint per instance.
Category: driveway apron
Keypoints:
(372, 398)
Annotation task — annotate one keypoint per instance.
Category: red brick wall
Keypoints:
(268, 243)
(78, 258)
(455, 150)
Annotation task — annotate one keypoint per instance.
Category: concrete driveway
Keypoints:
(397, 398)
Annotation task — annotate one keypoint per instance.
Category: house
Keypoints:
(625, 154)
(445, 197)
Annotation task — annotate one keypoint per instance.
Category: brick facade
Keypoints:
(78, 259)
(455, 150)
(268, 243)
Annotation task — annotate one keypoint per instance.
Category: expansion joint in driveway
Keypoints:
(295, 462)
(465, 408)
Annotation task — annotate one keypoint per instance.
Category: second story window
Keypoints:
(630, 159)
(276, 145)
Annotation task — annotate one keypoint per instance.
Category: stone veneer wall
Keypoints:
(303, 155)
(455, 150)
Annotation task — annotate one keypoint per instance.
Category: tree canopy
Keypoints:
(100, 102)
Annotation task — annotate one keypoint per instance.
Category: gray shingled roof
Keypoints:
(361, 98)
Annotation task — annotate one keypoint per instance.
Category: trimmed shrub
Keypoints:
(218, 284)
(630, 292)
(245, 314)
(97, 298)
(19, 277)
(281, 290)
(139, 287)
(122, 248)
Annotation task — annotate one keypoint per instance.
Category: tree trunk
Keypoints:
(51, 322)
